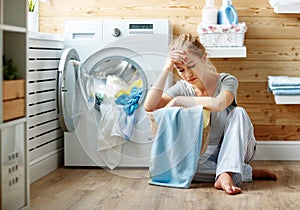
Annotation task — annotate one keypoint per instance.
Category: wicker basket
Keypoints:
(222, 35)
(205, 134)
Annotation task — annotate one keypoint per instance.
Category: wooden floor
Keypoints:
(82, 188)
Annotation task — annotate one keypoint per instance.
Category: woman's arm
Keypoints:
(215, 104)
(155, 98)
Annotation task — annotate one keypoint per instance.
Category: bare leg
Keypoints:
(225, 182)
(263, 174)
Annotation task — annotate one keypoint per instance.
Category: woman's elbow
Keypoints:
(219, 107)
(148, 107)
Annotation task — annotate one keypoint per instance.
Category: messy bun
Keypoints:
(192, 45)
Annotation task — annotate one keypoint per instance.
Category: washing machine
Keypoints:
(104, 74)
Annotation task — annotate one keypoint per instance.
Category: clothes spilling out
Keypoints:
(117, 102)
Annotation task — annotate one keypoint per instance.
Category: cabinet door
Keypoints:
(13, 178)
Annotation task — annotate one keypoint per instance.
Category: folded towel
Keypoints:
(288, 92)
(283, 2)
(284, 85)
(283, 81)
(290, 87)
(176, 147)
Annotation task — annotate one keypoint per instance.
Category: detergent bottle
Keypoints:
(227, 13)
(209, 13)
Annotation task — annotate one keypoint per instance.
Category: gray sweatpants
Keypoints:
(230, 148)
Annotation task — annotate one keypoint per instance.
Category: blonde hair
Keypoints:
(192, 45)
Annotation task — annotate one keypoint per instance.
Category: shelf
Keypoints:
(45, 36)
(285, 6)
(226, 52)
(287, 99)
(13, 122)
(12, 28)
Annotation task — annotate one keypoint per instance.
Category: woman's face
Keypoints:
(192, 69)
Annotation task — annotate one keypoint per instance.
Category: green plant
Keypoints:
(31, 5)
(10, 70)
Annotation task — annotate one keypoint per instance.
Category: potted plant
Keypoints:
(13, 92)
(31, 5)
(9, 69)
(33, 15)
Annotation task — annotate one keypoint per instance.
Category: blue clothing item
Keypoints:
(176, 147)
(290, 92)
(130, 102)
(283, 81)
(126, 124)
(284, 85)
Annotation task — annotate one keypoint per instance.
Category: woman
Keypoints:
(231, 143)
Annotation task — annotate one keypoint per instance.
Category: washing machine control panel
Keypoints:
(114, 29)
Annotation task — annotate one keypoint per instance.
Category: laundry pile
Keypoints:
(129, 98)
(117, 102)
(284, 85)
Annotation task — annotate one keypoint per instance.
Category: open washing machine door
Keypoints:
(74, 90)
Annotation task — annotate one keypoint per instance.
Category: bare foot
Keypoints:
(263, 174)
(225, 182)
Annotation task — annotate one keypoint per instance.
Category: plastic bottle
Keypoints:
(227, 13)
(209, 13)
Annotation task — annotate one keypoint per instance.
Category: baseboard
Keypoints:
(266, 150)
(277, 150)
(45, 165)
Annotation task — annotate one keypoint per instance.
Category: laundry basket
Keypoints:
(222, 35)
(205, 133)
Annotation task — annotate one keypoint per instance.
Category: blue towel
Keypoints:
(284, 85)
(283, 81)
(289, 92)
(176, 147)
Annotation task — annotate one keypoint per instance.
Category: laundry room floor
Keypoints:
(91, 188)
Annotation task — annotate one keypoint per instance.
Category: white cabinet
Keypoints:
(14, 191)
(13, 173)
(45, 137)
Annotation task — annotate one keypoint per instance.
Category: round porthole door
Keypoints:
(68, 89)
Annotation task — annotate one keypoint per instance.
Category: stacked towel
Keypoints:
(274, 3)
(284, 85)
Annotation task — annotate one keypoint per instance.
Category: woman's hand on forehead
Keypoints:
(179, 56)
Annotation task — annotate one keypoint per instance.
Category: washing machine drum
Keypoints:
(111, 77)
(102, 97)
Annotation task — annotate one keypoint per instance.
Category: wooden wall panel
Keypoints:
(257, 71)
(268, 114)
(275, 132)
(272, 40)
